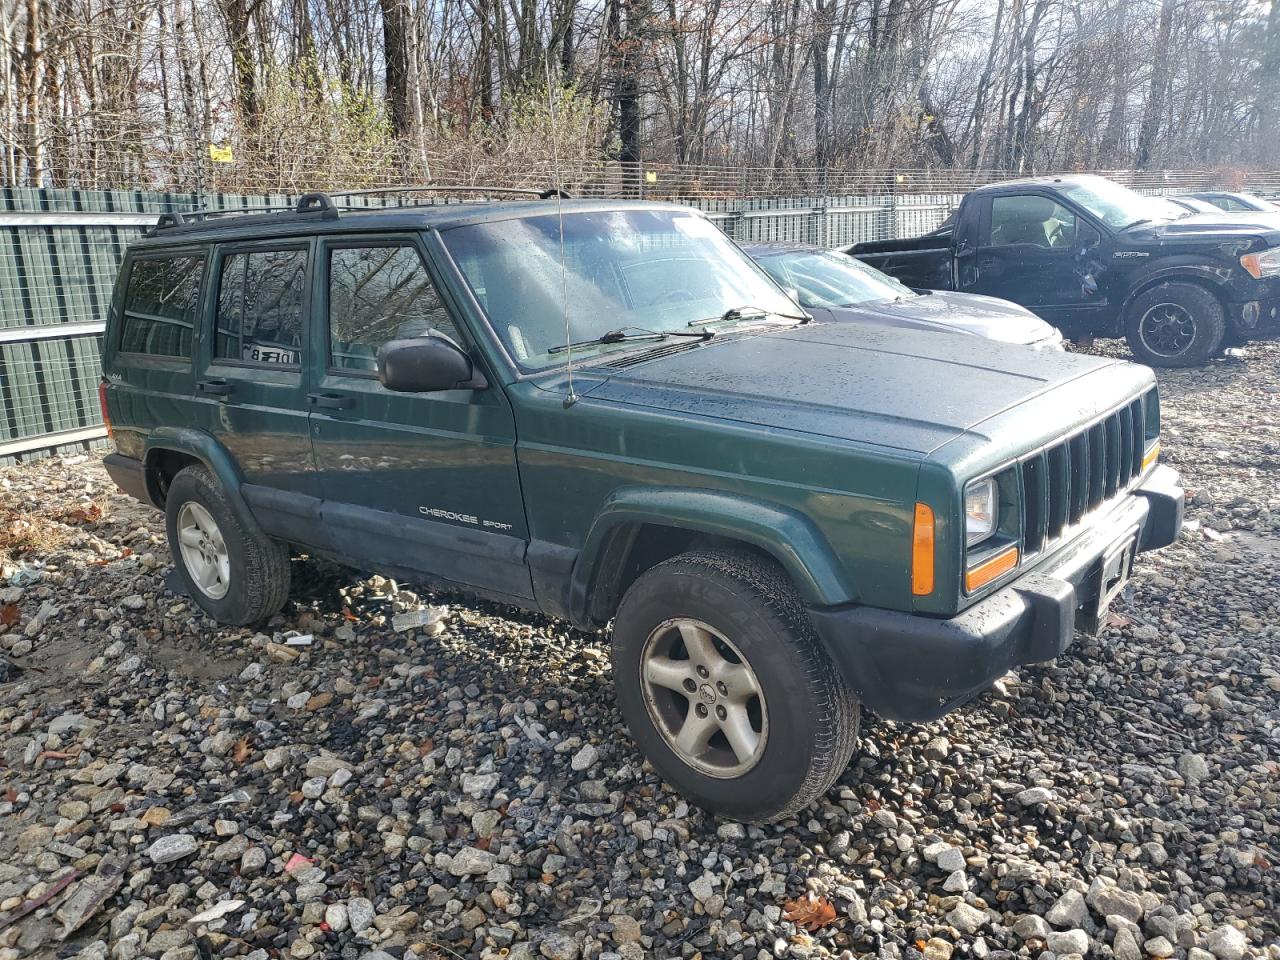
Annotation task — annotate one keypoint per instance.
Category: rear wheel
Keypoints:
(726, 687)
(233, 571)
(1175, 325)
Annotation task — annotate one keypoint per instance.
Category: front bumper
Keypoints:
(909, 667)
(1257, 318)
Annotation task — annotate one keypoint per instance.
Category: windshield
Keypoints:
(1119, 207)
(652, 270)
(826, 279)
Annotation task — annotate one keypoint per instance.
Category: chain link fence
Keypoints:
(60, 248)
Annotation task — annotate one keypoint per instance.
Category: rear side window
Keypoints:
(376, 294)
(160, 305)
(259, 317)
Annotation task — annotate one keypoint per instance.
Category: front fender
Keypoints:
(1219, 278)
(789, 537)
(203, 447)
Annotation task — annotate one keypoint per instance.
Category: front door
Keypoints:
(424, 483)
(249, 378)
(1035, 251)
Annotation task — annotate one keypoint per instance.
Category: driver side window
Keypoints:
(379, 293)
(1032, 220)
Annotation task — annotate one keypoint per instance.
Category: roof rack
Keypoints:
(321, 204)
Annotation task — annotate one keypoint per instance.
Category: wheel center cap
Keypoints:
(707, 693)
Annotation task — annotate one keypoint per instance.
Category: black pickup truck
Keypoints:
(1099, 260)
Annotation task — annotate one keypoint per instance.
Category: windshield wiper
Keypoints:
(626, 334)
(738, 313)
(1138, 223)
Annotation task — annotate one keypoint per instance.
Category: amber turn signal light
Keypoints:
(1152, 455)
(922, 551)
(991, 569)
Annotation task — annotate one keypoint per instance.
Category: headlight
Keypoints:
(980, 511)
(1264, 264)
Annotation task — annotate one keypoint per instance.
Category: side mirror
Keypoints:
(426, 364)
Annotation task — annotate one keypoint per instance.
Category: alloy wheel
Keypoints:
(1167, 329)
(204, 552)
(704, 698)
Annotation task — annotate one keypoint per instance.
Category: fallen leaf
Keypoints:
(9, 614)
(348, 616)
(82, 514)
(810, 914)
(483, 843)
(241, 751)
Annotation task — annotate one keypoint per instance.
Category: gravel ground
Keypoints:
(464, 787)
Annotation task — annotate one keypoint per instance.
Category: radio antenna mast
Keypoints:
(571, 397)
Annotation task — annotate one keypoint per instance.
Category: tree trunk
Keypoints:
(238, 15)
(1268, 135)
(1154, 111)
(395, 43)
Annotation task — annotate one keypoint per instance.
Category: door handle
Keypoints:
(330, 401)
(987, 262)
(214, 388)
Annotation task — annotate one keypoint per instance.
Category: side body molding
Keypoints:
(788, 536)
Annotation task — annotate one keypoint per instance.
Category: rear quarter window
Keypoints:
(160, 305)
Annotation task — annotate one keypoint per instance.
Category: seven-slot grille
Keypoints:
(1065, 481)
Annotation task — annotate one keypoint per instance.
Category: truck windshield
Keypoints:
(1119, 207)
(825, 279)
(656, 270)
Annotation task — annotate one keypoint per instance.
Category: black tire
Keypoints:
(1175, 324)
(812, 714)
(259, 566)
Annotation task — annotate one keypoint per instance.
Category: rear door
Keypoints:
(148, 353)
(427, 482)
(249, 384)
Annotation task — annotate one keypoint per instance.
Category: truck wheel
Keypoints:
(1175, 325)
(726, 688)
(236, 574)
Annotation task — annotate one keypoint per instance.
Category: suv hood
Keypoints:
(906, 389)
(1214, 226)
(972, 313)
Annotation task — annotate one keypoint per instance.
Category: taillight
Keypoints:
(102, 402)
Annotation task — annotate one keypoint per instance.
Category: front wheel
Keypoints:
(1175, 325)
(727, 689)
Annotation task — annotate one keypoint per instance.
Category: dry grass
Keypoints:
(25, 533)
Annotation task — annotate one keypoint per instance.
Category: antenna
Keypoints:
(571, 398)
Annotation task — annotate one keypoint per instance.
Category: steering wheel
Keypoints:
(673, 295)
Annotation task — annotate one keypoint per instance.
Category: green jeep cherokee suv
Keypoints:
(606, 412)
